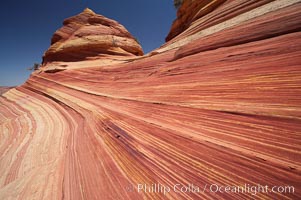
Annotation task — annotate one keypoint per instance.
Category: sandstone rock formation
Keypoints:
(219, 103)
(4, 89)
(89, 35)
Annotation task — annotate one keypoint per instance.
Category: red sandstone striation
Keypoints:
(89, 35)
(219, 103)
(197, 9)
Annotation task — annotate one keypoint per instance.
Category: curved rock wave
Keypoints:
(217, 104)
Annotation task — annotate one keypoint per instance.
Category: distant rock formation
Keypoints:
(89, 35)
(197, 9)
(219, 103)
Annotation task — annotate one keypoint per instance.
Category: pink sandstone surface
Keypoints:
(218, 103)
(4, 89)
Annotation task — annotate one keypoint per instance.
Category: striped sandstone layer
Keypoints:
(219, 103)
(88, 35)
(4, 89)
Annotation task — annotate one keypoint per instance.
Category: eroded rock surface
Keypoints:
(4, 89)
(219, 103)
(89, 35)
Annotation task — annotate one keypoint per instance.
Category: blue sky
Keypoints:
(27, 27)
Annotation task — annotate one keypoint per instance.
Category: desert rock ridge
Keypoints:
(218, 103)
